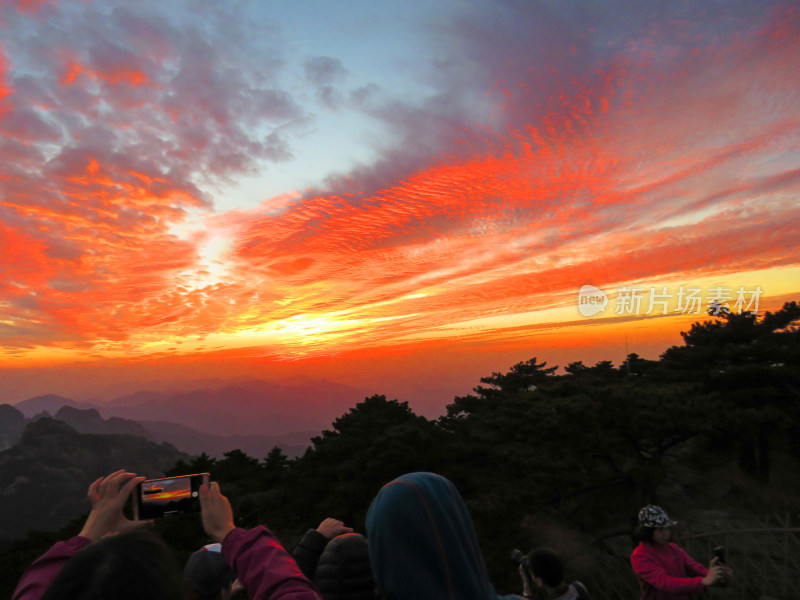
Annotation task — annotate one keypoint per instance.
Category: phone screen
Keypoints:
(167, 496)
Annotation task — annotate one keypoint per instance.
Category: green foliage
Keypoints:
(522, 377)
(236, 466)
(373, 443)
(202, 463)
(754, 366)
(276, 461)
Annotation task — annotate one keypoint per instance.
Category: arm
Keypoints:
(526, 583)
(44, 569)
(264, 567)
(653, 573)
(107, 496)
(692, 566)
(716, 573)
(313, 543)
(308, 552)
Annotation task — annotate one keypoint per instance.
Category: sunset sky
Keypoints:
(401, 196)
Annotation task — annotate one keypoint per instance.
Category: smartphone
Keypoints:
(154, 498)
(719, 552)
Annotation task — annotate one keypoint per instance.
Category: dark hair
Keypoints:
(127, 566)
(643, 533)
(546, 565)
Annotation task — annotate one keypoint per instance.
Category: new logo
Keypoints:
(591, 300)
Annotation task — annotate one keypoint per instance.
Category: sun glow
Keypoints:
(213, 248)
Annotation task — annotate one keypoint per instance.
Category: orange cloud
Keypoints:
(121, 74)
(23, 260)
(102, 244)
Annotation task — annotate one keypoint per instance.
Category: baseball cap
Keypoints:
(207, 572)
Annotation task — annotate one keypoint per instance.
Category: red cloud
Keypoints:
(29, 6)
(5, 89)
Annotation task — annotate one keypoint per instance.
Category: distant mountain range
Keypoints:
(89, 421)
(242, 407)
(52, 447)
(45, 474)
(48, 404)
(248, 414)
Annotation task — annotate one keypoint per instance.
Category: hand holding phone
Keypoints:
(108, 496)
(166, 496)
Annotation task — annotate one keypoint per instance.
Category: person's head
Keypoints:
(208, 574)
(654, 525)
(422, 543)
(127, 566)
(343, 571)
(546, 568)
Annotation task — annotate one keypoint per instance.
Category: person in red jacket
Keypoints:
(665, 571)
(112, 557)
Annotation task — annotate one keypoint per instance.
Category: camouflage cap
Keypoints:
(654, 516)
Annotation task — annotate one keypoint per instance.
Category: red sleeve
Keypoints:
(653, 573)
(692, 566)
(43, 570)
(265, 568)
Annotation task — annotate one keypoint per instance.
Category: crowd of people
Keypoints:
(420, 544)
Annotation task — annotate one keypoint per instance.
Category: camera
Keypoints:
(168, 496)
(519, 559)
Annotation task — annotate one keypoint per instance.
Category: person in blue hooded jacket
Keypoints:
(422, 543)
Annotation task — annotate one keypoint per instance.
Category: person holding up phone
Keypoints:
(114, 557)
(262, 565)
(665, 571)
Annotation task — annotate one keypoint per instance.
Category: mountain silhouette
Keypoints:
(49, 403)
(12, 422)
(194, 442)
(242, 407)
(46, 473)
(89, 421)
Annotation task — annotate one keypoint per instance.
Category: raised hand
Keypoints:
(727, 572)
(330, 528)
(108, 496)
(216, 512)
(716, 573)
